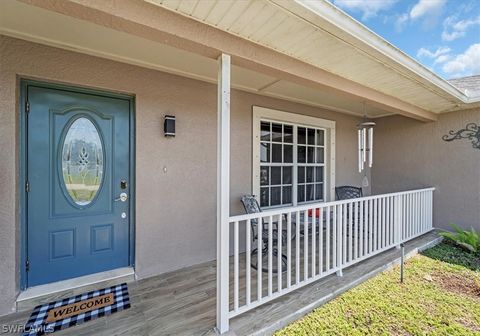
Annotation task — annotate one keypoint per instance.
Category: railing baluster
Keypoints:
(334, 237)
(430, 210)
(390, 221)
(270, 254)
(235, 266)
(259, 256)
(424, 211)
(419, 213)
(384, 221)
(414, 210)
(404, 217)
(376, 222)
(327, 239)
(248, 261)
(338, 229)
(305, 245)
(297, 248)
(411, 215)
(314, 241)
(355, 225)
(386, 239)
(370, 225)
(279, 252)
(344, 233)
(427, 210)
(320, 241)
(350, 231)
(361, 220)
(289, 250)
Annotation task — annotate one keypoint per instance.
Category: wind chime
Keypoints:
(365, 142)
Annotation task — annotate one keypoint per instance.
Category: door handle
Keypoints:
(122, 198)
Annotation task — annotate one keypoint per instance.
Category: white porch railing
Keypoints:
(316, 240)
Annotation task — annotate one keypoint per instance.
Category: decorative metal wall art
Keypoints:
(470, 132)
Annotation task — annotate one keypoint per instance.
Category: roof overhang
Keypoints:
(170, 40)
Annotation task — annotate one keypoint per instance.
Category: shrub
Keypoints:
(469, 240)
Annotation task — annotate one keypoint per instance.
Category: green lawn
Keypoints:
(440, 296)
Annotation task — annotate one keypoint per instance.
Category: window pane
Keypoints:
(311, 153)
(301, 135)
(287, 195)
(288, 133)
(310, 195)
(287, 175)
(264, 197)
(301, 175)
(264, 152)
(320, 155)
(287, 153)
(311, 136)
(319, 174)
(82, 161)
(276, 175)
(276, 153)
(265, 131)
(319, 191)
(302, 155)
(310, 174)
(301, 193)
(264, 176)
(277, 132)
(320, 137)
(276, 195)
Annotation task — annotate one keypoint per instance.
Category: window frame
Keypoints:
(297, 120)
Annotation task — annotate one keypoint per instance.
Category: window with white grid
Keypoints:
(292, 159)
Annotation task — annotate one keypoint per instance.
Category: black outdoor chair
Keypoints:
(348, 192)
(251, 206)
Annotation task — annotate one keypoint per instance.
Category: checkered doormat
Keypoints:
(38, 325)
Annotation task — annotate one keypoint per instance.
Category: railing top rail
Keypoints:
(284, 210)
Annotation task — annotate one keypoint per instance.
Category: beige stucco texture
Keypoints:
(175, 183)
(411, 154)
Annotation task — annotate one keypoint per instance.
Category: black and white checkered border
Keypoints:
(37, 326)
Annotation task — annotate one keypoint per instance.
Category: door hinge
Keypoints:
(27, 186)
(27, 265)
(27, 106)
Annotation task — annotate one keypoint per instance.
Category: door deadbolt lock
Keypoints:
(123, 197)
(123, 184)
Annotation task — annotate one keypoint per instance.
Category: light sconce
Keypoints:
(169, 126)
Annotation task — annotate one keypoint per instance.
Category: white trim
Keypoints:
(64, 285)
(223, 191)
(344, 22)
(260, 113)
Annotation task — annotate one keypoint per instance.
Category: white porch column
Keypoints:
(223, 191)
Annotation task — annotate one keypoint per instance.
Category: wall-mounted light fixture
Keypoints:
(169, 126)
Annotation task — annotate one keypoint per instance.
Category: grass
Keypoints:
(440, 296)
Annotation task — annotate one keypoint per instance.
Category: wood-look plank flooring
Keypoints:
(183, 302)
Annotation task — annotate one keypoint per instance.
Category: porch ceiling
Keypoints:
(305, 30)
(42, 26)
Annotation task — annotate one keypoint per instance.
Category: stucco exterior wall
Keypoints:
(175, 211)
(411, 154)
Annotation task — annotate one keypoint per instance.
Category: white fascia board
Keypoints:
(330, 13)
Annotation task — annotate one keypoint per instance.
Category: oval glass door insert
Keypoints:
(82, 161)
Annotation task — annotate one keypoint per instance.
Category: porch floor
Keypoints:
(183, 302)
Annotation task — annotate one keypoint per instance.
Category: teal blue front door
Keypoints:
(78, 193)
